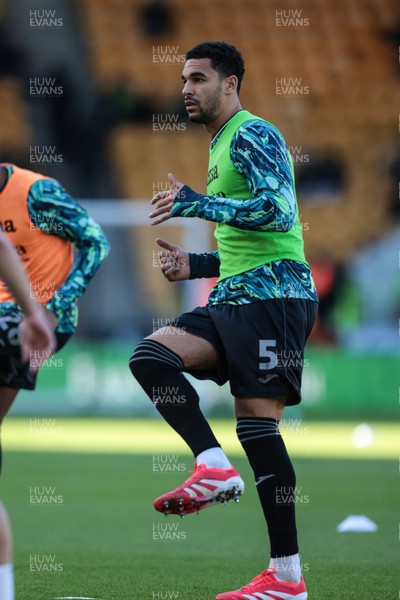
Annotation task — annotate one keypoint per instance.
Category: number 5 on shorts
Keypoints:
(266, 352)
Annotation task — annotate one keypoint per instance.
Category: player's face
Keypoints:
(202, 90)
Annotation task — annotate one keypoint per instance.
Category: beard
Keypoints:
(208, 112)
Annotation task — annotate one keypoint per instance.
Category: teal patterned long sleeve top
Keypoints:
(259, 153)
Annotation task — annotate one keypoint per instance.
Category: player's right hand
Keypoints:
(37, 339)
(174, 261)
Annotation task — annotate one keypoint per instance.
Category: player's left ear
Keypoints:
(231, 84)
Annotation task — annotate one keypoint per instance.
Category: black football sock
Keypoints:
(275, 480)
(158, 370)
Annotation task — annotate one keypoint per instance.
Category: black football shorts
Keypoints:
(260, 346)
(13, 372)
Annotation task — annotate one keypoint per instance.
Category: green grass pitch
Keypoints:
(84, 524)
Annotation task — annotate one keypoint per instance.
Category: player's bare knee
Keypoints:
(170, 337)
(268, 408)
(164, 333)
(195, 352)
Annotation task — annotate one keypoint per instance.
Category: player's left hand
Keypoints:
(164, 200)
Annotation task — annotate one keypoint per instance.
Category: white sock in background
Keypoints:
(214, 458)
(287, 568)
(6, 582)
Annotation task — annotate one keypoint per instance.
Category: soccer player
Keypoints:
(43, 223)
(36, 336)
(254, 328)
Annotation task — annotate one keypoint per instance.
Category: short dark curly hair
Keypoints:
(225, 59)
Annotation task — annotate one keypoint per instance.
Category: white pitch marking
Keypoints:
(74, 598)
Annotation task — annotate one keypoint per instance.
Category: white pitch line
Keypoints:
(74, 598)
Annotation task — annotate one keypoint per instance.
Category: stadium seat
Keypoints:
(15, 131)
(337, 46)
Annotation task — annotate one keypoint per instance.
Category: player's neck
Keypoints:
(222, 118)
